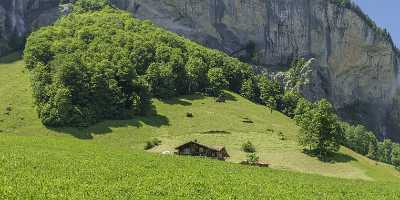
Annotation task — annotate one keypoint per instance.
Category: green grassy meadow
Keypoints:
(107, 160)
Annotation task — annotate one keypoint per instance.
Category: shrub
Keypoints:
(152, 143)
(221, 98)
(149, 145)
(8, 110)
(156, 141)
(270, 130)
(189, 115)
(281, 136)
(248, 147)
(252, 158)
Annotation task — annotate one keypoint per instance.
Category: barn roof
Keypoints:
(216, 148)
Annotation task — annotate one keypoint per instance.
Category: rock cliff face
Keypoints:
(19, 17)
(356, 67)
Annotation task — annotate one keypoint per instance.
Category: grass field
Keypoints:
(108, 161)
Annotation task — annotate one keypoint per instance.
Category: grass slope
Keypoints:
(108, 161)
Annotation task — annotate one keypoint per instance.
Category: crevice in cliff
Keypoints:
(328, 39)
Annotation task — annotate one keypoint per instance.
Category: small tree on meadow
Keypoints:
(252, 158)
(248, 147)
(320, 130)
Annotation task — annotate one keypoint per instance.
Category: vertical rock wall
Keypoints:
(19, 17)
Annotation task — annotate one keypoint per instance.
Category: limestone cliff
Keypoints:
(356, 66)
(19, 17)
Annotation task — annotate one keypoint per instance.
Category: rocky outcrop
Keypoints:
(355, 67)
(19, 17)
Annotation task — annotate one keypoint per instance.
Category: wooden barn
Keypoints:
(193, 148)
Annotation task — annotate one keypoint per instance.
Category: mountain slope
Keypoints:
(170, 124)
(356, 64)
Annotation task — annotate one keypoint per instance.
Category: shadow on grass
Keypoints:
(105, 127)
(186, 99)
(229, 97)
(331, 157)
(10, 58)
(183, 100)
(175, 101)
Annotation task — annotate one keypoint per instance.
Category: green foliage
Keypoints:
(81, 6)
(152, 143)
(248, 147)
(303, 106)
(289, 102)
(196, 73)
(359, 139)
(250, 90)
(252, 158)
(270, 92)
(217, 81)
(386, 151)
(364, 142)
(320, 129)
(100, 63)
(395, 155)
(373, 148)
